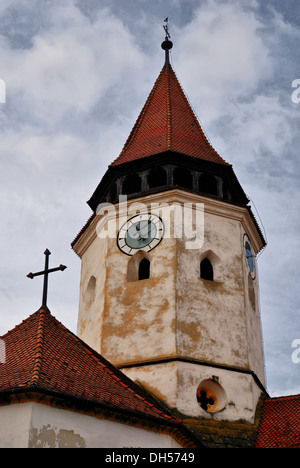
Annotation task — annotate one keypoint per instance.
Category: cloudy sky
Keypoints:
(77, 74)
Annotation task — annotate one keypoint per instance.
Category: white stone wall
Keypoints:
(176, 384)
(15, 423)
(175, 313)
(33, 425)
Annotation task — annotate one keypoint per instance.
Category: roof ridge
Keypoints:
(36, 372)
(114, 371)
(9, 332)
(140, 119)
(283, 397)
(41, 339)
(109, 368)
(199, 125)
(168, 110)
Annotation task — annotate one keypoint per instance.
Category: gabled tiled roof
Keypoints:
(280, 423)
(167, 123)
(42, 354)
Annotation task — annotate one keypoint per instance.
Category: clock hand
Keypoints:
(136, 231)
(135, 235)
(143, 233)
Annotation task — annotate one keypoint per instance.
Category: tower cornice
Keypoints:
(211, 205)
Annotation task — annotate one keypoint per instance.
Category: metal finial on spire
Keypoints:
(166, 28)
(167, 44)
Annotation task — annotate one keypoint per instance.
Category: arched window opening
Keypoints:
(206, 270)
(183, 178)
(90, 291)
(208, 184)
(157, 177)
(139, 266)
(144, 269)
(132, 184)
(113, 192)
(226, 193)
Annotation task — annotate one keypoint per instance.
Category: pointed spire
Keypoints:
(167, 122)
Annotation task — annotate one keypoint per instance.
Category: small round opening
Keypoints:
(211, 396)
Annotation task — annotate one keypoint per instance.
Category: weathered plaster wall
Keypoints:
(159, 379)
(92, 293)
(139, 316)
(176, 384)
(241, 392)
(175, 313)
(15, 422)
(35, 425)
(254, 328)
(215, 320)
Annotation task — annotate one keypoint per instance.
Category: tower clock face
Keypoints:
(250, 257)
(141, 232)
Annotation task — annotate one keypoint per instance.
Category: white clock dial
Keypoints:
(250, 257)
(141, 232)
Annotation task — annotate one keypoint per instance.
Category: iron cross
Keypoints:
(46, 272)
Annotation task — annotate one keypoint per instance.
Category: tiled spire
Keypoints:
(167, 123)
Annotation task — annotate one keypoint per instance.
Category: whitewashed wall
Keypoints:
(39, 426)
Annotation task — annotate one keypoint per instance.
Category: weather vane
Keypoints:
(45, 272)
(166, 28)
(167, 44)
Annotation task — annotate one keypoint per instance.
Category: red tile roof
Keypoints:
(42, 354)
(167, 123)
(280, 423)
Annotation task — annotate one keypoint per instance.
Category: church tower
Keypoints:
(169, 289)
